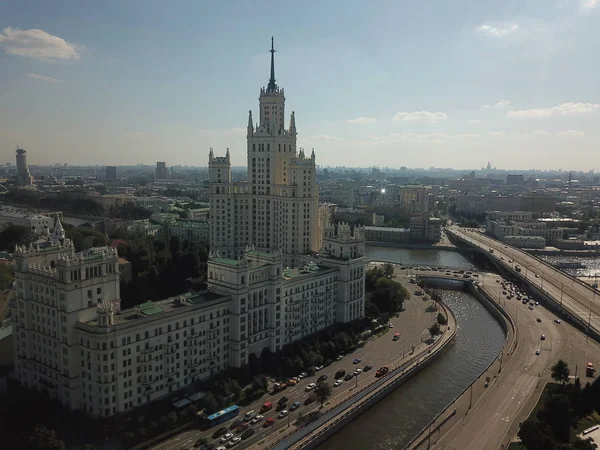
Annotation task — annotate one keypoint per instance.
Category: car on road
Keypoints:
(209, 446)
(340, 357)
(310, 387)
(322, 378)
(226, 437)
(337, 383)
(291, 382)
(266, 407)
(391, 325)
(295, 406)
(357, 371)
(317, 368)
(248, 433)
(367, 368)
(302, 375)
(236, 423)
(270, 421)
(280, 407)
(221, 447)
(249, 415)
(530, 307)
(340, 373)
(234, 441)
(349, 376)
(219, 432)
(557, 320)
(282, 414)
(356, 361)
(536, 275)
(309, 400)
(538, 319)
(537, 352)
(543, 337)
(283, 400)
(243, 427)
(256, 419)
(200, 442)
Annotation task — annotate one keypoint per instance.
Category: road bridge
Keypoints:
(570, 296)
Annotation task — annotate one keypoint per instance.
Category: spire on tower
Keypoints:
(272, 85)
(293, 123)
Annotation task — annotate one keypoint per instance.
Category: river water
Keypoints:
(436, 258)
(394, 421)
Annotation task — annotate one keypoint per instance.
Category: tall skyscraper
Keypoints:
(162, 172)
(111, 173)
(24, 177)
(277, 208)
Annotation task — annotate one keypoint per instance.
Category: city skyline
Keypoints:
(511, 84)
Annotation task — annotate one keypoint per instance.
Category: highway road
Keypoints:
(578, 298)
(412, 324)
(497, 410)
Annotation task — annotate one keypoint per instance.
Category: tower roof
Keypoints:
(272, 85)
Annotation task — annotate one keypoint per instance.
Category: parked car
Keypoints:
(236, 423)
(283, 400)
(200, 442)
(357, 372)
(356, 361)
(295, 406)
(209, 446)
(340, 357)
(219, 432)
(340, 373)
(248, 433)
(226, 437)
(303, 375)
(337, 383)
(234, 441)
(270, 421)
(309, 400)
(322, 378)
(367, 368)
(317, 368)
(310, 387)
(282, 414)
(349, 376)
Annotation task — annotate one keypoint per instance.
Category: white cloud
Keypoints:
(565, 109)
(497, 31)
(429, 138)
(324, 137)
(362, 120)
(497, 133)
(420, 116)
(37, 76)
(474, 121)
(571, 133)
(38, 44)
(589, 4)
(497, 105)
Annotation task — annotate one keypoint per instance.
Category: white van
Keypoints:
(249, 415)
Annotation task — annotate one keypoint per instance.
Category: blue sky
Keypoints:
(386, 83)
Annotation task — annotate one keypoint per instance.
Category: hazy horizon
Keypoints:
(427, 84)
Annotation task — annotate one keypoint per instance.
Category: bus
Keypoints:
(396, 336)
(223, 415)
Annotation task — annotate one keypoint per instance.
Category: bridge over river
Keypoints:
(565, 293)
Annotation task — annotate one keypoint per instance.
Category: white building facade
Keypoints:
(267, 288)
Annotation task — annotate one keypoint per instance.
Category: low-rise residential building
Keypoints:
(194, 232)
(423, 228)
(525, 241)
(519, 223)
(387, 234)
(35, 222)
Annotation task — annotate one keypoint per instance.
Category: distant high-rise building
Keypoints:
(24, 178)
(162, 172)
(111, 173)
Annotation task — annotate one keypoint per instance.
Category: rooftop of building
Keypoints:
(151, 309)
(21, 214)
(189, 224)
(388, 229)
(310, 269)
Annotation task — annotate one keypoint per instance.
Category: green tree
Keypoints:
(13, 235)
(560, 372)
(441, 319)
(534, 436)
(558, 414)
(41, 438)
(434, 330)
(322, 392)
(584, 444)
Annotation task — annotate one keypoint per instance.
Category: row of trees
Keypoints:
(160, 269)
(553, 426)
(383, 294)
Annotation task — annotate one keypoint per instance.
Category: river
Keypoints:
(436, 258)
(394, 421)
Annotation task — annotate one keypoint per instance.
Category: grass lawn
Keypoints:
(587, 422)
(548, 389)
(516, 446)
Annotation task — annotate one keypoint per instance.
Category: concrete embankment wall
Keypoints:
(413, 246)
(356, 409)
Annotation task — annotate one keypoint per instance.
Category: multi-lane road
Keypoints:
(493, 420)
(578, 298)
(412, 324)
